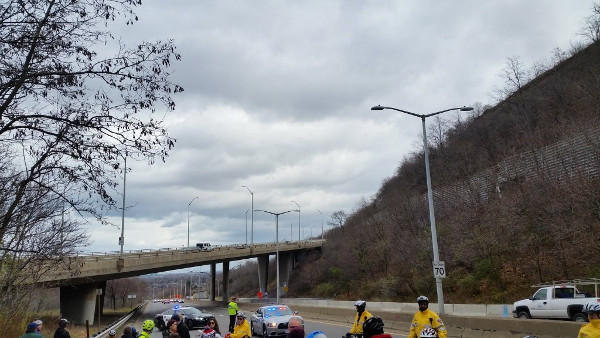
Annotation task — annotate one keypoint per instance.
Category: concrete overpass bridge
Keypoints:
(85, 275)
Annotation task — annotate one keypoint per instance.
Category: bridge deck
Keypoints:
(95, 268)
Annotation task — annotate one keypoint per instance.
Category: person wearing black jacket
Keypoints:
(62, 331)
(182, 329)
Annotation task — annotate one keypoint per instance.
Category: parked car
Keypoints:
(191, 316)
(272, 320)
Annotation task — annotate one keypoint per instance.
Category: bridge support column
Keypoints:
(225, 293)
(213, 276)
(78, 303)
(101, 285)
(263, 272)
(286, 264)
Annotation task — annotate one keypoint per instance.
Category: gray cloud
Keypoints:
(278, 95)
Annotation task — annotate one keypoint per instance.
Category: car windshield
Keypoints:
(277, 311)
(191, 311)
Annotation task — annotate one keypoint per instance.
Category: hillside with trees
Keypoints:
(516, 192)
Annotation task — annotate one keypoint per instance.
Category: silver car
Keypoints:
(272, 320)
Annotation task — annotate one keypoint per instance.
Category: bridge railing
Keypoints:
(192, 249)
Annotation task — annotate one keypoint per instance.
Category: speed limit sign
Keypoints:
(439, 269)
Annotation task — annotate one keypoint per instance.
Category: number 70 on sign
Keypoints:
(439, 269)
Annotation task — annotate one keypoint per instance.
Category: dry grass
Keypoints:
(50, 319)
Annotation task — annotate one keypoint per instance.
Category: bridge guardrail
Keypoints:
(169, 251)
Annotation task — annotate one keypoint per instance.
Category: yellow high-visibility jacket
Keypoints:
(590, 330)
(427, 318)
(241, 331)
(357, 327)
(232, 308)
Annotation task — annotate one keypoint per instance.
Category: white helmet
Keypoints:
(360, 303)
(112, 333)
(428, 333)
(422, 299)
(592, 307)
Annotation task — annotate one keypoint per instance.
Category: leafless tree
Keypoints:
(591, 29)
(338, 219)
(73, 102)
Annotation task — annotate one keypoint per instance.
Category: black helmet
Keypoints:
(373, 326)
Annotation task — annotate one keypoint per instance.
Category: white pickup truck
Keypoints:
(558, 301)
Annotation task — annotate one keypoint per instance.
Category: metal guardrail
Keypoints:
(169, 251)
(114, 325)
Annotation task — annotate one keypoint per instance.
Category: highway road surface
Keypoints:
(331, 329)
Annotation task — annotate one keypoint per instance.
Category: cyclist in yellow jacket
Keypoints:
(359, 319)
(242, 327)
(425, 318)
(591, 329)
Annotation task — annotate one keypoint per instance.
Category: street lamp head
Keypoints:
(377, 107)
(466, 108)
(192, 201)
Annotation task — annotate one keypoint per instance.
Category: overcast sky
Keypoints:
(278, 96)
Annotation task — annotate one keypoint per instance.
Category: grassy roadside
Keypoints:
(51, 317)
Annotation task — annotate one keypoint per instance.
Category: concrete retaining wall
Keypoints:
(463, 326)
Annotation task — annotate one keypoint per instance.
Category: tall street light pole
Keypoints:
(247, 226)
(276, 242)
(252, 208)
(321, 223)
(188, 242)
(434, 243)
(298, 219)
(122, 238)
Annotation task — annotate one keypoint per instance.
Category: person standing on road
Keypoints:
(373, 328)
(62, 331)
(232, 310)
(591, 329)
(359, 319)
(425, 318)
(182, 329)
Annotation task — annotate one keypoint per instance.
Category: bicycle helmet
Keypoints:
(241, 315)
(316, 334)
(112, 333)
(592, 307)
(148, 325)
(360, 306)
(428, 333)
(422, 299)
(373, 326)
